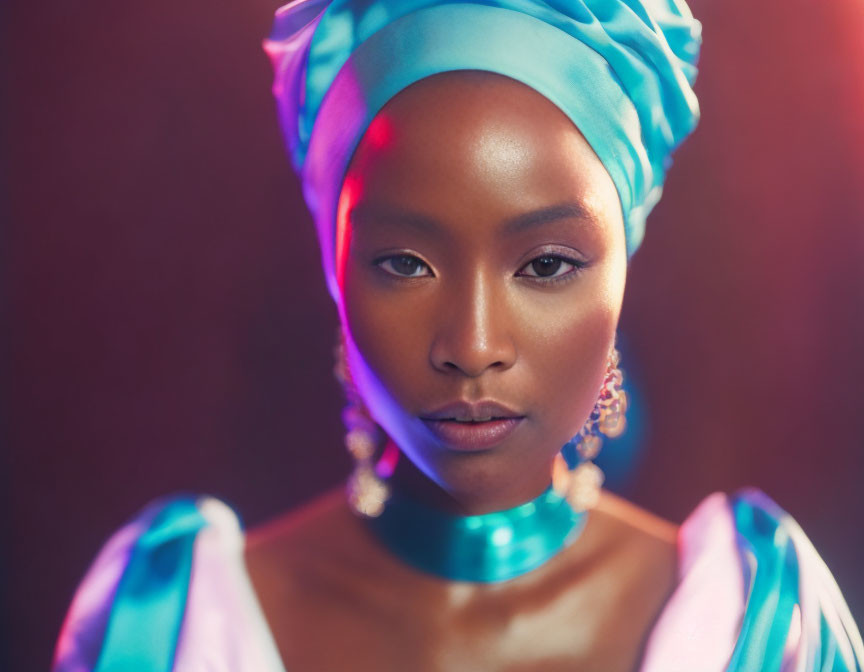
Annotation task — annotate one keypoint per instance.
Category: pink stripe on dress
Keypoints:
(225, 629)
(698, 627)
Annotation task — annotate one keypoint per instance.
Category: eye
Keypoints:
(549, 266)
(404, 266)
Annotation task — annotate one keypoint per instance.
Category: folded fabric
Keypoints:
(622, 70)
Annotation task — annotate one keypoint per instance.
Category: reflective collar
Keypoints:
(483, 548)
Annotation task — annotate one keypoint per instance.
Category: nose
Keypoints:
(474, 333)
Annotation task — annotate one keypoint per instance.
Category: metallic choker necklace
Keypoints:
(483, 548)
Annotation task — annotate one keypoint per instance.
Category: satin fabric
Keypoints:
(774, 553)
(484, 548)
(794, 617)
(144, 622)
(622, 70)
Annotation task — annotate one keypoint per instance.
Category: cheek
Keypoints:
(388, 336)
(386, 356)
(564, 349)
(373, 320)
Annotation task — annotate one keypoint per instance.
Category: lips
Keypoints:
(468, 426)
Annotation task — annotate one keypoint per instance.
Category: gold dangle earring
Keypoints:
(574, 474)
(367, 491)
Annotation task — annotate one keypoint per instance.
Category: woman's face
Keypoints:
(483, 278)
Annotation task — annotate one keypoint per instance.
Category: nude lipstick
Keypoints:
(467, 426)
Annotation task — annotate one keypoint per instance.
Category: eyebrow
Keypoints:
(536, 218)
(391, 215)
(517, 224)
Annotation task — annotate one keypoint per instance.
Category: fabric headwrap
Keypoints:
(622, 71)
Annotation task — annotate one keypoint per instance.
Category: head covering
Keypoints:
(622, 71)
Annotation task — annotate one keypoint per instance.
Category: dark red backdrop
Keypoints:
(169, 326)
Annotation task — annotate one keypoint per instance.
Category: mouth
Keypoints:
(466, 426)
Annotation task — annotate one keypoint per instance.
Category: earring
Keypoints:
(574, 474)
(367, 491)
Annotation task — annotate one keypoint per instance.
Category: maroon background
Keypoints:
(169, 327)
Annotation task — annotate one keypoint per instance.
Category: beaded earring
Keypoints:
(367, 491)
(574, 474)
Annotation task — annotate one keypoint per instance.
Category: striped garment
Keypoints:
(170, 591)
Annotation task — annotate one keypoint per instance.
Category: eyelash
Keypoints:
(576, 264)
(383, 260)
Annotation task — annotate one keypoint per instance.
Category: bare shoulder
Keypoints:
(637, 547)
(624, 518)
(305, 531)
(634, 554)
(300, 520)
(296, 559)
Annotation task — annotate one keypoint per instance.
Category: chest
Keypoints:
(591, 624)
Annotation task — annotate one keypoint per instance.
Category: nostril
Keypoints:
(456, 352)
(472, 370)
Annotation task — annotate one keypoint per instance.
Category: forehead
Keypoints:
(478, 144)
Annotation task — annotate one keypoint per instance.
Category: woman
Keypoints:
(480, 175)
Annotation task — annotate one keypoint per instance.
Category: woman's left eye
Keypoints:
(548, 266)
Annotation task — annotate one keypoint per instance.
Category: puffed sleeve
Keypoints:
(127, 611)
(795, 617)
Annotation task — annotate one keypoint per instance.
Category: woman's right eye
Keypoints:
(405, 266)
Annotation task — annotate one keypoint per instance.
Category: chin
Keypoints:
(483, 481)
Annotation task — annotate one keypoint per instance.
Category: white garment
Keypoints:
(224, 628)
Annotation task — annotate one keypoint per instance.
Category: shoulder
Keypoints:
(291, 557)
(299, 526)
(789, 582)
(620, 531)
(163, 523)
(753, 593)
(624, 516)
(306, 533)
(179, 556)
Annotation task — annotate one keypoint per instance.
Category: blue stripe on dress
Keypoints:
(766, 541)
(771, 574)
(147, 612)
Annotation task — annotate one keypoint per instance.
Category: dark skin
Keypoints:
(485, 260)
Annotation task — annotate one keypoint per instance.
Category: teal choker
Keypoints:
(482, 548)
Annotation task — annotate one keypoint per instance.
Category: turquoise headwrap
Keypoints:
(622, 70)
